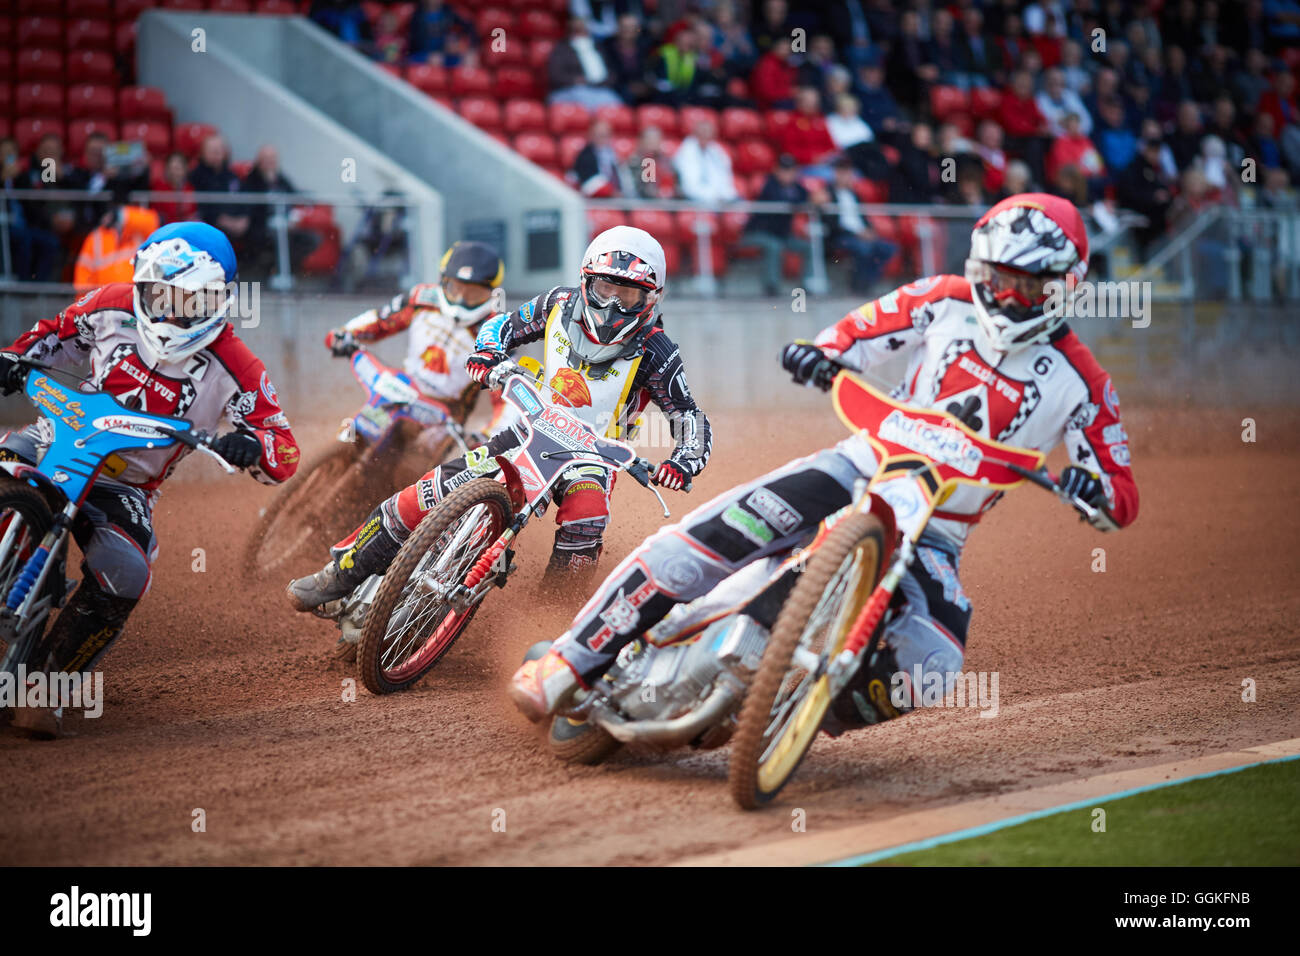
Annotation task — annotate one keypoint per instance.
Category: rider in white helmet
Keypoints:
(607, 354)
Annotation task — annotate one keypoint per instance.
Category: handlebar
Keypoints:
(1043, 479)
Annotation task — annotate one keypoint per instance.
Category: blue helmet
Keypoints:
(183, 291)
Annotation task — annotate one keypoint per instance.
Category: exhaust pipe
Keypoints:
(678, 730)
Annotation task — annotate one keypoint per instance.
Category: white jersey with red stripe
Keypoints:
(1035, 397)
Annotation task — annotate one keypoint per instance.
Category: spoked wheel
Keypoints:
(24, 519)
(412, 622)
(791, 693)
(320, 505)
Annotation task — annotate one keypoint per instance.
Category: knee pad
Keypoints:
(117, 563)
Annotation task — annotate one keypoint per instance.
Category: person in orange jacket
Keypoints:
(107, 252)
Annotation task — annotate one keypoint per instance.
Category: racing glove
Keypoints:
(239, 448)
(671, 475)
(12, 374)
(481, 363)
(1085, 485)
(809, 364)
(340, 342)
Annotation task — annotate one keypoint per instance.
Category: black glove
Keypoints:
(807, 363)
(341, 343)
(1082, 484)
(480, 364)
(239, 448)
(671, 475)
(12, 374)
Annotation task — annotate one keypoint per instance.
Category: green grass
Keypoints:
(1249, 818)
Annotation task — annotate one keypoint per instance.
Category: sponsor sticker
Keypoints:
(525, 398)
(775, 510)
(753, 528)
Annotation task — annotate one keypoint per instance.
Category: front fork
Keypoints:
(30, 583)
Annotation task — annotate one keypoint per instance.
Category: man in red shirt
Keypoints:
(1023, 122)
(806, 137)
(773, 80)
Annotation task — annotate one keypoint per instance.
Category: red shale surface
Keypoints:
(221, 698)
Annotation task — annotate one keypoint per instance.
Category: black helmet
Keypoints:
(475, 263)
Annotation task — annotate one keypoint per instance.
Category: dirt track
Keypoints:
(224, 700)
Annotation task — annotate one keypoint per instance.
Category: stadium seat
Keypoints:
(91, 66)
(739, 123)
(571, 144)
(6, 97)
(775, 122)
(539, 51)
(129, 10)
(38, 99)
(156, 136)
(181, 4)
(598, 220)
(664, 117)
(492, 18)
(188, 137)
(624, 146)
(537, 148)
(567, 118)
(984, 101)
(513, 51)
(621, 119)
(44, 32)
(241, 168)
(946, 101)
(6, 61)
(540, 25)
(124, 38)
(79, 131)
(90, 35)
(142, 103)
(428, 78)
(869, 190)
(374, 10)
(669, 145)
(230, 6)
(90, 99)
(471, 81)
(524, 115)
(482, 111)
(36, 66)
(29, 130)
(754, 156)
(515, 81)
(98, 9)
(688, 116)
(660, 223)
(392, 69)
(6, 33)
(324, 259)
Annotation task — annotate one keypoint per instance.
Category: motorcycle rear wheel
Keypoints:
(580, 742)
(397, 647)
(786, 703)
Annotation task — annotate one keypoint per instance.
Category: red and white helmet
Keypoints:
(1027, 254)
(623, 273)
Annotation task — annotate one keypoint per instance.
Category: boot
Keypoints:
(372, 552)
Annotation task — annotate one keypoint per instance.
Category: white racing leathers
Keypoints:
(1036, 398)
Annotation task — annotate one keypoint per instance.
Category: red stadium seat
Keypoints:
(775, 122)
(157, 137)
(38, 99)
(690, 115)
(90, 35)
(6, 32)
(624, 146)
(90, 99)
(539, 51)
(230, 6)
(984, 101)
(6, 97)
(281, 8)
(493, 18)
(428, 78)
(621, 119)
(511, 51)
(124, 38)
(525, 115)
(79, 131)
(39, 32)
(598, 220)
(392, 69)
(470, 81)
(6, 61)
(98, 9)
(28, 131)
(739, 123)
(869, 190)
(188, 137)
(537, 147)
(571, 144)
(142, 103)
(91, 66)
(658, 222)
(241, 168)
(664, 117)
(181, 4)
(514, 81)
(946, 101)
(540, 25)
(36, 66)
(482, 111)
(754, 156)
(567, 118)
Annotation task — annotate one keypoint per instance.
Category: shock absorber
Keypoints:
(489, 557)
(27, 577)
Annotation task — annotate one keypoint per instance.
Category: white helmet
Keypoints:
(1021, 251)
(183, 289)
(622, 283)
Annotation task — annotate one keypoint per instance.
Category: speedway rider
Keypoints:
(984, 347)
(607, 356)
(443, 318)
(162, 344)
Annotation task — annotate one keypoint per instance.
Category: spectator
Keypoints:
(648, 169)
(969, 186)
(703, 167)
(438, 34)
(879, 108)
(806, 137)
(846, 126)
(910, 69)
(602, 16)
(578, 73)
(988, 147)
(1144, 188)
(818, 63)
(1019, 179)
(107, 251)
(391, 42)
(1263, 143)
(174, 178)
(773, 232)
(1219, 173)
(1223, 124)
(1152, 130)
(916, 175)
(1105, 86)
(1246, 29)
(1211, 77)
(1185, 141)
(851, 236)
(732, 40)
(946, 49)
(1077, 151)
(344, 19)
(596, 168)
(772, 84)
(626, 54)
(676, 68)
(1022, 120)
(772, 25)
(1250, 83)
(1077, 78)
(128, 171)
(839, 82)
(1057, 101)
(261, 244)
(1275, 194)
(977, 55)
(47, 170)
(1175, 85)
(212, 174)
(35, 254)
(1280, 101)
(1013, 45)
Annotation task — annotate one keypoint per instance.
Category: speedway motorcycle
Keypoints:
(85, 431)
(405, 620)
(759, 659)
(330, 495)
